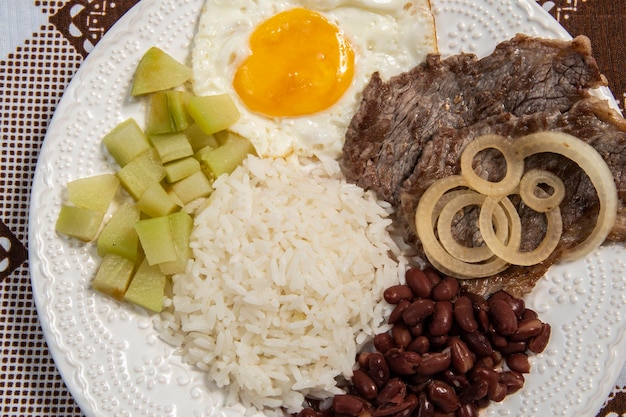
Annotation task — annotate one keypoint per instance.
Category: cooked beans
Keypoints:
(419, 283)
(417, 311)
(364, 385)
(464, 314)
(538, 343)
(434, 362)
(503, 317)
(397, 293)
(442, 318)
(446, 289)
(442, 353)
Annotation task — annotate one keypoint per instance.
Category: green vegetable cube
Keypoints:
(147, 288)
(182, 168)
(156, 202)
(79, 222)
(226, 158)
(126, 141)
(201, 154)
(95, 193)
(171, 146)
(113, 276)
(158, 120)
(175, 198)
(177, 106)
(168, 112)
(194, 186)
(156, 240)
(181, 225)
(213, 113)
(118, 236)
(139, 174)
(198, 139)
(158, 71)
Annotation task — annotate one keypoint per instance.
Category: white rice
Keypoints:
(286, 285)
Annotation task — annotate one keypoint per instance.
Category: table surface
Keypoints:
(42, 44)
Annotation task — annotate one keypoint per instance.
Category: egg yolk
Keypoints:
(300, 63)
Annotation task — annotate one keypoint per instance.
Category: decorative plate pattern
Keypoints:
(109, 354)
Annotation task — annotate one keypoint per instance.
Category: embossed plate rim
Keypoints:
(139, 382)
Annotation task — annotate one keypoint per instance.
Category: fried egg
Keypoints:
(296, 68)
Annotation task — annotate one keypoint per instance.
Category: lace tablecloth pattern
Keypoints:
(42, 44)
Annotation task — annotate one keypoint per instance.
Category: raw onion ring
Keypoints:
(590, 161)
(439, 205)
(514, 166)
(514, 256)
(444, 226)
(436, 254)
(546, 202)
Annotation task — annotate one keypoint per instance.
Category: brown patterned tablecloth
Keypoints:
(42, 44)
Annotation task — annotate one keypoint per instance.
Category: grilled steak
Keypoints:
(411, 131)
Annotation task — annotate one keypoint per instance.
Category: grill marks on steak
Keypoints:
(412, 130)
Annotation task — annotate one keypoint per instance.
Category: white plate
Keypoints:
(109, 354)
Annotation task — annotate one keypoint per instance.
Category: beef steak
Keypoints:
(410, 132)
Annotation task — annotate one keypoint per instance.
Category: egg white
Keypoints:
(388, 36)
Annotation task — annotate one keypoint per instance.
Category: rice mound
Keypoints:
(290, 263)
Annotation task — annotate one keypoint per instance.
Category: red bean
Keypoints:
(446, 289)
(442, 318)
(417, 329)
(443, 396)
(420, 344)
(454, 379)
(308, 412)
(349, 405)
(478, 343)
(396, 313)
(403, 362)
(439, 342)
(481, 373)
(419, 282)
(425, 407)
(496, 358)
(363, 360)
(394, 391)
(364, 385)
(502, 317)
(486, 361)
(483, 320)
(464, 314)
(497, 340)
(401, 335)
(397, 293)
(474, 391)
(402, 409)
(383, 342)
(432, 275)
(518, 362)
(418, 311)
(530, 314)
(478, 302)
(517, 304)
(497, 392)
(433, 363)
(378, 369)
(513, 380)
(538, 343)
(467, 410)
(513, 347)
(461, 356)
